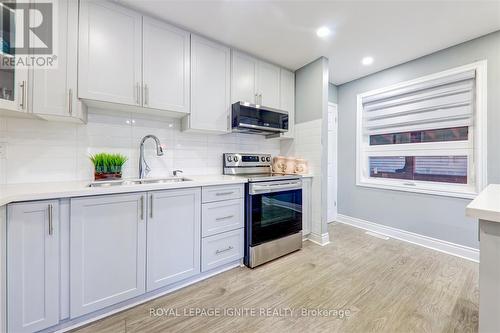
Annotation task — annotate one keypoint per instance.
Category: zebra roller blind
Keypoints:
(442, 103)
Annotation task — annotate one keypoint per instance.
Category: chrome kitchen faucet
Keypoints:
(143, 166)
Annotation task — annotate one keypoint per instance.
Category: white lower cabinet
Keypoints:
(112, 248)
(223, 216)
(222, 249)
(32, 266)
(107, 251)
(174, 233)
(223, 221)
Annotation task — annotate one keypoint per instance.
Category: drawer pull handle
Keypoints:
(224, 218)
(224, 193)
(224, 250)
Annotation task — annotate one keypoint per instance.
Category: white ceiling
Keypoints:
(284, 32)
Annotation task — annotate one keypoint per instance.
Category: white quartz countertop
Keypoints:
(486, 206)
(54, 190)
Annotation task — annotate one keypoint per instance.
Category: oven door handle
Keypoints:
(271, 188)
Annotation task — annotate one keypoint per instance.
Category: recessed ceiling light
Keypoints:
(323, 32)
(367, 61)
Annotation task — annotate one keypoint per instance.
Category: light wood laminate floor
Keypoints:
(386, 285)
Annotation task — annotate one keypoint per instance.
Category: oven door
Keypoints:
(274, 210)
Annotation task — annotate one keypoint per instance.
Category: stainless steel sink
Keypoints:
(165, 180)
(129, 182)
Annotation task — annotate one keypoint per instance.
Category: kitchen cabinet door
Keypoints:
(243, 78)
(210, 86)
(107, 251)
(287, 99)
(54, 90)
(165, 66)
(13, 79)
(32, 266)
(174, 236)
(268, 85)
(110, 53)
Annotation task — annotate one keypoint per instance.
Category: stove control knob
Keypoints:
(229, 158)
(235, 158)
(268, 159)
(263, 159)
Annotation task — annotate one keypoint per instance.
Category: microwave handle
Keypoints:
(268, 129)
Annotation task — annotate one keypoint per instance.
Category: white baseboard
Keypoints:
(461, 251)
(322, 239)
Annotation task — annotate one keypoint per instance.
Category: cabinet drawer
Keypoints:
(221, 249)
(222, 216)
(223, 192)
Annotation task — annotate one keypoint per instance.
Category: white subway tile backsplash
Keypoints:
(42, 151)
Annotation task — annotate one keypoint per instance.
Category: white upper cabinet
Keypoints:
(254, 81)
(287, 99)
(165, 66)
(107, 251)
(243, 78)
(173, 234)
(268, 85)
(110, 49)
(13, 79)
(32, 266)
(54, 94)
(210, 86)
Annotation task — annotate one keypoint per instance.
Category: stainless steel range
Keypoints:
(273, 207)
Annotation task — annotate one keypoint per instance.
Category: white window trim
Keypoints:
(478, 138)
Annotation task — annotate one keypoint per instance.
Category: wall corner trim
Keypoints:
(323, 239)
(457, 250)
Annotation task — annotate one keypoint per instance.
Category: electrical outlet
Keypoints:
(3, 150)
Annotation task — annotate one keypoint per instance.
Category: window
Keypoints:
(426, 135)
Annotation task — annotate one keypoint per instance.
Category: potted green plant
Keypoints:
(108, 166)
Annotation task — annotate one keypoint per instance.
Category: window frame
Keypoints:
(475, 147)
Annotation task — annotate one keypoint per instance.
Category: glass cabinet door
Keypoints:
(7, 79)
(13, 88)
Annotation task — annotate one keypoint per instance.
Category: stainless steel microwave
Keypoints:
(258, 119)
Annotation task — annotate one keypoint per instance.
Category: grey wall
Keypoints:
(311, 103)
(310, 91)
(434, 216)
(332, 93)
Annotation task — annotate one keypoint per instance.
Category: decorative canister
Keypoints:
(279, 164)
(290, 165)
(301, 166)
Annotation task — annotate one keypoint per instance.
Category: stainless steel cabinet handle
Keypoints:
(260, 98)
(146, 94)
(51, 227)
(142, 207)
(223, 193)
(229, 248)
(70, 105)
(224, 218)
(138, 92)
(256, 98)
(22, 104)
(151, 199)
